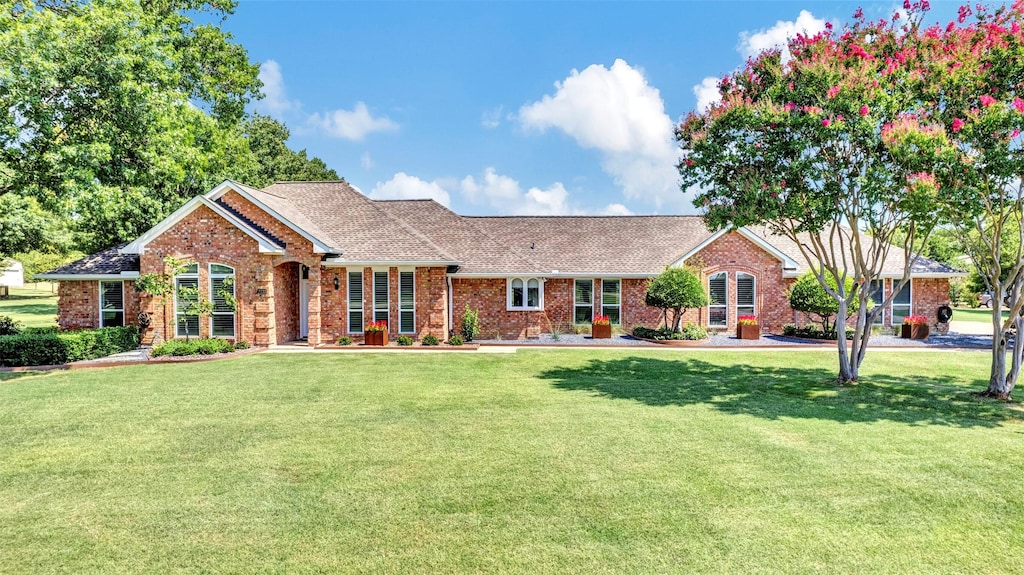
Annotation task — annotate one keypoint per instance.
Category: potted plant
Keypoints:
(915, 327)
(747, 327)
(601, 327)
(376, 333)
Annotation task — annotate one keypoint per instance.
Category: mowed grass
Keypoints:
(979, 315)
(574, 461)
(32, 305)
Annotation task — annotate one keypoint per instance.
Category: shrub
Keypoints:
(690, 332)
(470, 324)
(809, 296)
(812, 332)
(8, 326)
(241, 344)
(39, 330)
(693, 332)
(676, 289)
(53, 348)
(430, 339)
(404, 340)
(344, 340)
(456, 340)
(207, 346)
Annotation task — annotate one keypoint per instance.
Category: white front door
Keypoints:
(303, 302)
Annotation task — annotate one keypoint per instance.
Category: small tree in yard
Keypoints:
(160, 285)
(808, 295)
(678, 290)
(470, 324)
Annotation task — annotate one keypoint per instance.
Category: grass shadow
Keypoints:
(776, 392)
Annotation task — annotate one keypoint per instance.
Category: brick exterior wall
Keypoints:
(490, 297)
(78, 304)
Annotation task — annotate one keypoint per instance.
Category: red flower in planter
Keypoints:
(915, 320)
(746, 320)
(377, 326)
(601, 320)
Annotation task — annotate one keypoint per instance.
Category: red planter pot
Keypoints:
(915, 331)
(599, 331)
(375, 338)
(748, 332)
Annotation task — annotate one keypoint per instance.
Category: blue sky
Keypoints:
(510, 107)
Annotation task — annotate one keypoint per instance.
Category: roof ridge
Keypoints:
(409, 228)
(515, 250)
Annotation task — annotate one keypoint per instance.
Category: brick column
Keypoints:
(315, 292)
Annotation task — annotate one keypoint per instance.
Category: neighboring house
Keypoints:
(11, 275)
(319, 260)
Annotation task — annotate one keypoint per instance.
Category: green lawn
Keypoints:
(574, 461)
(33, 306)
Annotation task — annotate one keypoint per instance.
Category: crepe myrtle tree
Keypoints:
(832, 150)
(973, 79)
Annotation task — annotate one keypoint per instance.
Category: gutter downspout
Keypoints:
(451, 305)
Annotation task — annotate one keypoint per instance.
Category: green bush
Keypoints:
(241, 344)
(690, 332)
(179, 347)
(8, 326)
(678, 290)
(39, 330)
(456, 340)
(404, 340)
(53, 348)
(470, 324)
(812, 332)
(344, 340)
(430, 339)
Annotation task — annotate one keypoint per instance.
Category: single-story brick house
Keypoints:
(318, 260)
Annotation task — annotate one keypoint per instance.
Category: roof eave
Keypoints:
(87, 277)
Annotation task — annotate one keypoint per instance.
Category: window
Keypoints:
(611, 300)
(222, 292)
(111, 304)
(525, 293)
(583, 298)
(876, 291)
(381, 298)
(901, 303)
(406, 302)
(186, 295)
(355, 302)
(745, 290)
(718, 294)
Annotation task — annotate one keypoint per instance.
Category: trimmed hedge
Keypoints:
(53, 348)
(690, 332)
(180, 347)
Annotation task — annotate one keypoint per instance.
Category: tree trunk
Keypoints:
(1001, 383)
(847, 369)
(677, 318)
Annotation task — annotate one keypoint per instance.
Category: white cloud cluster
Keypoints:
(353, 124)
(752, 44)
(615, 110)
(707, 93)
(402, 186)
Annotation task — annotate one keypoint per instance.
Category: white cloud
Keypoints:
(615, 210)
(707, 93)
(550, 202)
(275, 100)
(405, 187)
(505, 196)
(352, 124)
(493, 190)
(366, 161)
(614, 110)
(778, 35)
(491, 119)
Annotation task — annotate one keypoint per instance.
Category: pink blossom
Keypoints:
(958, 124)
(859, 13)
(840, 118)
(789, 107)
(826, 122)
(986, 100)
(783, 183)
(1014, 133)
(1018, 105)
(906, 4)
(864, 110)
(833, 92)
(925, 6)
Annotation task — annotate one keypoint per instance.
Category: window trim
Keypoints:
(724, 305)
(411, 309)
(910, 300)
(123, 318)
(618, 306)
(234, 293)
(753, 292)
(177, 324)
(387, 306)
(526, 296)
(348, 298)
(576, 304)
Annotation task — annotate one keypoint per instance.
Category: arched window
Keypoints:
(745, 294)
(525, 293)
(718, 297)
(222, 294)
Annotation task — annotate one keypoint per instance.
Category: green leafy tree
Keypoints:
(277, 163)
(830, 151)
(808, 295)
(25, 226)
(160, 285)
(676, 290)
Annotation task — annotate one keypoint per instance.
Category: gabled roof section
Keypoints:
(281, 209)
(789, 264)
(267, 244)
(107, 264)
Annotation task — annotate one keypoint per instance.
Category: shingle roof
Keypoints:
(106, 262)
